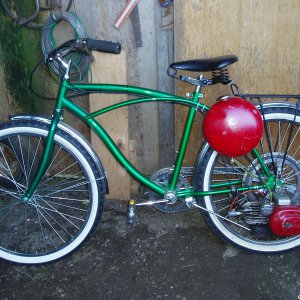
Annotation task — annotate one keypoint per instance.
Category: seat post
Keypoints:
(185, 138)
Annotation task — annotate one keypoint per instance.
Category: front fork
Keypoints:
(46, 157)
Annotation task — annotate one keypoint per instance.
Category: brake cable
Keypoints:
(30, 83)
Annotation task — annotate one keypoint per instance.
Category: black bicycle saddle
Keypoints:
(205, 64)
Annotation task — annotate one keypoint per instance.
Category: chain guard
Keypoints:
(162, 177)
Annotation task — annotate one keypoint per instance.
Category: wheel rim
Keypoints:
(246, 170)
(61, 212)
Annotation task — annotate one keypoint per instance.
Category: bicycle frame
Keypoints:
(147, 95)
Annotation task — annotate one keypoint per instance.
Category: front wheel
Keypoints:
(244, 223)
(65, 207)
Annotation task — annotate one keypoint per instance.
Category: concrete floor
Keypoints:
(160, 257)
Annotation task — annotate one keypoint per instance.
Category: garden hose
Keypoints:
(80, 61)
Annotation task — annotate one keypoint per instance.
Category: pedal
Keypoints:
(131, 212)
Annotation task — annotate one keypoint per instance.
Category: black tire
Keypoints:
(283, 127)
(64, 209)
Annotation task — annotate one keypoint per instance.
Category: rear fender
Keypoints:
(206, 147)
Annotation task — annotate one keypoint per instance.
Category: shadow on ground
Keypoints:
(160, 257)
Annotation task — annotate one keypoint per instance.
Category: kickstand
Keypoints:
(131, 212)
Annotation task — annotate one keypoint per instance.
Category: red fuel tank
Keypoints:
(285, 220)
(233, 126)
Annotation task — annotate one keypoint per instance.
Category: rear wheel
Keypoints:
(66, 205)
(280, 151)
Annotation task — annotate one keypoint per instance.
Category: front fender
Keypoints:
(75, 134)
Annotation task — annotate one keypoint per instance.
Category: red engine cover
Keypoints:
(285, 220)
(233, 126)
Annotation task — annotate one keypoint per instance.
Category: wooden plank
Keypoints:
(167, 17)
(166, 111)
(109, 68)
(134, 185)
(147, 70)
(264, 34)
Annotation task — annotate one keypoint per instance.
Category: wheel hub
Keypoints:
(284, 177)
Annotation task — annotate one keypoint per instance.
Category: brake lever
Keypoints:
(65, 65)
(59, 54)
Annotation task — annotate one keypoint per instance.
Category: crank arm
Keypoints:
(191, 202)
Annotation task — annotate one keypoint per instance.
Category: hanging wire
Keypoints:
(80, 61)
(76, 92)
(33, 20)
(30, 82)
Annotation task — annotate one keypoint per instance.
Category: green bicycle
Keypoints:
(52, 183)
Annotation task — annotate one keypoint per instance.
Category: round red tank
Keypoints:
(285, 220)
(233, 126)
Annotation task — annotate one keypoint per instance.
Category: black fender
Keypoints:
(75, 134)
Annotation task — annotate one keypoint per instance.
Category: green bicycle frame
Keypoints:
(147, 95)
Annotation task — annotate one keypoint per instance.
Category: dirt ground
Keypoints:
(160, 257)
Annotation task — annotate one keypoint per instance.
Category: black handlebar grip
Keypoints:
(103, 46)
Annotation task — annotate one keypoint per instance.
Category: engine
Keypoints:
(285, 220)
(282, 220)
(252, 214)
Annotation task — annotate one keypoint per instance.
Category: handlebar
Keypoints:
(84, 45)
(103, 46)
(58, 57)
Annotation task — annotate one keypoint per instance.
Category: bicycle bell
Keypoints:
(233, 126)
